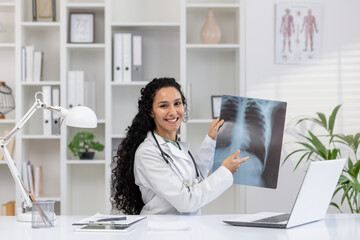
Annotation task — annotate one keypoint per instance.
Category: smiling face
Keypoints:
(167, 112)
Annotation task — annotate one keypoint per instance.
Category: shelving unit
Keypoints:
(8, 75)
(82, 178)
(216, 66)
(171, 47)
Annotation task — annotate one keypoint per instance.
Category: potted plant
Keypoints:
(82, 143)
(330, 145)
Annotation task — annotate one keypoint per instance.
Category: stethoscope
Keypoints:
(171, 163)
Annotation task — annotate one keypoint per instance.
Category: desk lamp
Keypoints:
(80, 116)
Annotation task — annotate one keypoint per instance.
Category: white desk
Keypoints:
(335, 226)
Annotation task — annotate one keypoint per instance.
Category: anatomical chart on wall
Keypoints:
(298, 30)
(255, 126)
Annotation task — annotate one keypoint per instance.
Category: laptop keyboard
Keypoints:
(274, 219)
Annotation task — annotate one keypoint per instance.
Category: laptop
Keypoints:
(311, 203)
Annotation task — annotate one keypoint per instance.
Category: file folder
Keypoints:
(29, 61)
(127, 59)
(47, 114)
(55, 101)
(37, 66)
(137, 59)
(71, 90)
(79, 88)
(118, 58)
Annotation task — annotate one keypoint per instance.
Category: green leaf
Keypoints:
(335, 205)
(323, 121)
(346, 191)
(332, 119)
(308, 146)
(354, 170)
(316, 142)
(292, 153)
(334, 153)
(302, 157)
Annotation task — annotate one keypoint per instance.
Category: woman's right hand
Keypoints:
(233, 162)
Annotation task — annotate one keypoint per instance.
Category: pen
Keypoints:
(111, 219)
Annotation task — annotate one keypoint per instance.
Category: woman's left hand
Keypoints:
(214, 128)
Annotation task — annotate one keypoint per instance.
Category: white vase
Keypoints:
(210, 32)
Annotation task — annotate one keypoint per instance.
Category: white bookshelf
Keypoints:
(216, 66)
(34, 137)
(89, 46)
(40, 24)
(85, 162)
(8, 40)
(170, 33)
(7, 45)
(41, 83)
(7, 4)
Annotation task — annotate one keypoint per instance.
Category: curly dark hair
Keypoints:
(125, 194)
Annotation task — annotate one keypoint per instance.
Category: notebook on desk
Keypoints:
(311, 202)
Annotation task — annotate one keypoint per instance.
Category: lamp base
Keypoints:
(24, 217)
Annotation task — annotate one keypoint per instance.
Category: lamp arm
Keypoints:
(37, 104)
(26, 194)
(15, 173)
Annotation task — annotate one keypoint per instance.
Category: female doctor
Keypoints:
(154, 172)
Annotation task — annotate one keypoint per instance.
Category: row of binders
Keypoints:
(32, 178)
(127, 57)
(51, 122)
(31, 64)
(80, 92)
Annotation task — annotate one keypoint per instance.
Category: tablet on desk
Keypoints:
(105, 228)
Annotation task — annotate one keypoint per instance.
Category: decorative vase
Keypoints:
(210, 32)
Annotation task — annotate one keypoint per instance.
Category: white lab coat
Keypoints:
(163, 192)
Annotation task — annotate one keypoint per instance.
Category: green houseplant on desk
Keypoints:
(82, 142)
(330, 145)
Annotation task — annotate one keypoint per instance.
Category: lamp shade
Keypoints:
(81, 117)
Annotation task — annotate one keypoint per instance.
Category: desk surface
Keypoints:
(335, 226)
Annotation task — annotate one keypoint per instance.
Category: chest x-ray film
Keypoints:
(255, 126)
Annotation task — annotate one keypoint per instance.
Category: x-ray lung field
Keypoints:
(255, 126)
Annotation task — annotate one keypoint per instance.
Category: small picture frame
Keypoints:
(82, 27)
(44, 10)
(215, 106)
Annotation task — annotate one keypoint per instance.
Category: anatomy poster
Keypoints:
(255, 126)
(298, 31)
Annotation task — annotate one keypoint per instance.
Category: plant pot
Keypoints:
(87, 155)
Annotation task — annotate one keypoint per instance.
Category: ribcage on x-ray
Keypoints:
(255, 126)
(229, 114)
(248, 122)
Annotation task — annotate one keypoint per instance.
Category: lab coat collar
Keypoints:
(173, 150)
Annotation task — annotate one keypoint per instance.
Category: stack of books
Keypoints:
(8, 209)
(32, 178)
(80, 92)
(31, 64)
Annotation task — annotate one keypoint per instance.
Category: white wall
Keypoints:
(307, 88)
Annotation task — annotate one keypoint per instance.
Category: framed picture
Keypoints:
(44, 10)
(298, 33)
(82, 27)
(215, 106)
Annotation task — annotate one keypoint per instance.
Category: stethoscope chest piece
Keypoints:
(170, 162)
